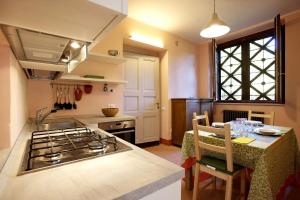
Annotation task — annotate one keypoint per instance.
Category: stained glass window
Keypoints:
(247, 69)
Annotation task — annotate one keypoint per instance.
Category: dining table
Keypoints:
(273, 159)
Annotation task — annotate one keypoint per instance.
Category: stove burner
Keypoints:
(96, 146)
(48, 149)
(52, 157)
(77, 138)
(51, 144)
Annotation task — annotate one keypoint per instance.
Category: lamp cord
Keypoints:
(214, 6)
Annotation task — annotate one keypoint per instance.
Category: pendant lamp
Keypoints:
(215, 27)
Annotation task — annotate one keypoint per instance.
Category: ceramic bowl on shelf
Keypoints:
(110, 112)
(113, 52)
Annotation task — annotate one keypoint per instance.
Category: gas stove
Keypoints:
(53, 148)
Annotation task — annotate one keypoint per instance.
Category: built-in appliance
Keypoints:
(50, 38)
(44, 56)
(122, 129)
(53, 148)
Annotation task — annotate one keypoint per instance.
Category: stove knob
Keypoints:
(125, 125)
(111, 126)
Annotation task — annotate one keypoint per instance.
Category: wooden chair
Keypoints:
(222, 169)
(269, 116)
(204, 116)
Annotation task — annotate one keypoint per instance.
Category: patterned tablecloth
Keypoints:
(272, 158)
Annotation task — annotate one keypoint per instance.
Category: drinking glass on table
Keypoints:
(237, 126)
(242, 129)
(248, 129)
(255, 126)
(233, 125)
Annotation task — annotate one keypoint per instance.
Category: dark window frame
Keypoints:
(279, 71)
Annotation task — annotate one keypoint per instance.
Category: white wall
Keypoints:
(13, 95)
(4, 96)
(18, 99)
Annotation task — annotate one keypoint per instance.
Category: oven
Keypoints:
(122, 129)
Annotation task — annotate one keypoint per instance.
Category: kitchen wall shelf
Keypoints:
(89, 80)
(116, 60)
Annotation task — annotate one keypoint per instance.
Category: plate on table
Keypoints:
(218, 124)
(233, 135)
(268, 131)
(252, 122)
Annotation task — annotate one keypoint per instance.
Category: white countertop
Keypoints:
(125, 175)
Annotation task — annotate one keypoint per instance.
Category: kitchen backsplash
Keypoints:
(41, 94)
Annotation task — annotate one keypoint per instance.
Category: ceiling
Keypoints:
(186, 18)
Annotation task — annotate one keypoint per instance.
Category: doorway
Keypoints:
(142, 95)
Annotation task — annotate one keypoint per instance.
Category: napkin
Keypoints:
(243, 140)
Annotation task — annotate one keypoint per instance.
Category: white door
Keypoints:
(141, 95)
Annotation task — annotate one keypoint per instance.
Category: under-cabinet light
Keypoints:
(147, 40)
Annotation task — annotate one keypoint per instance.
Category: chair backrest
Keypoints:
(227, 149)
(269, 116)
(204, 116)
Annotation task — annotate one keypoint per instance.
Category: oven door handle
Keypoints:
(121, 132)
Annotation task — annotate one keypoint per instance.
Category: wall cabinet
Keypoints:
(182, 111)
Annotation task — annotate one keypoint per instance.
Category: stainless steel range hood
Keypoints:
(41, 32)
(44, 56)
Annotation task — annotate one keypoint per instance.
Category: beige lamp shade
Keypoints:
(215, 27)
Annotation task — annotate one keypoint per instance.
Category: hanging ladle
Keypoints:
(68, 105)
(74, 104)
(56, 104)
(61, 105)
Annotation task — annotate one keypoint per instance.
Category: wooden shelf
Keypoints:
(116, 60)
(82, 79)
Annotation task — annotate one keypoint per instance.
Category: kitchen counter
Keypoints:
(95, 119)
(130, 175)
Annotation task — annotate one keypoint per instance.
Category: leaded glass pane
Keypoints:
(231, 73)
(262, 69)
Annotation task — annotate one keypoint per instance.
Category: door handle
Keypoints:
(157, 105)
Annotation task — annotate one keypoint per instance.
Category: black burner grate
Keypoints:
(48, 148)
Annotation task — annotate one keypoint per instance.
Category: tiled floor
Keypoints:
(173, 154)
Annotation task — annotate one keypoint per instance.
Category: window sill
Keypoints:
(249, 103)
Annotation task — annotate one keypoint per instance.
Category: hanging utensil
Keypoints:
(73, 96)
(88, 89)
(56, 104)
(69, 105)
(65, 98)
(78, 93)
(61, 105)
